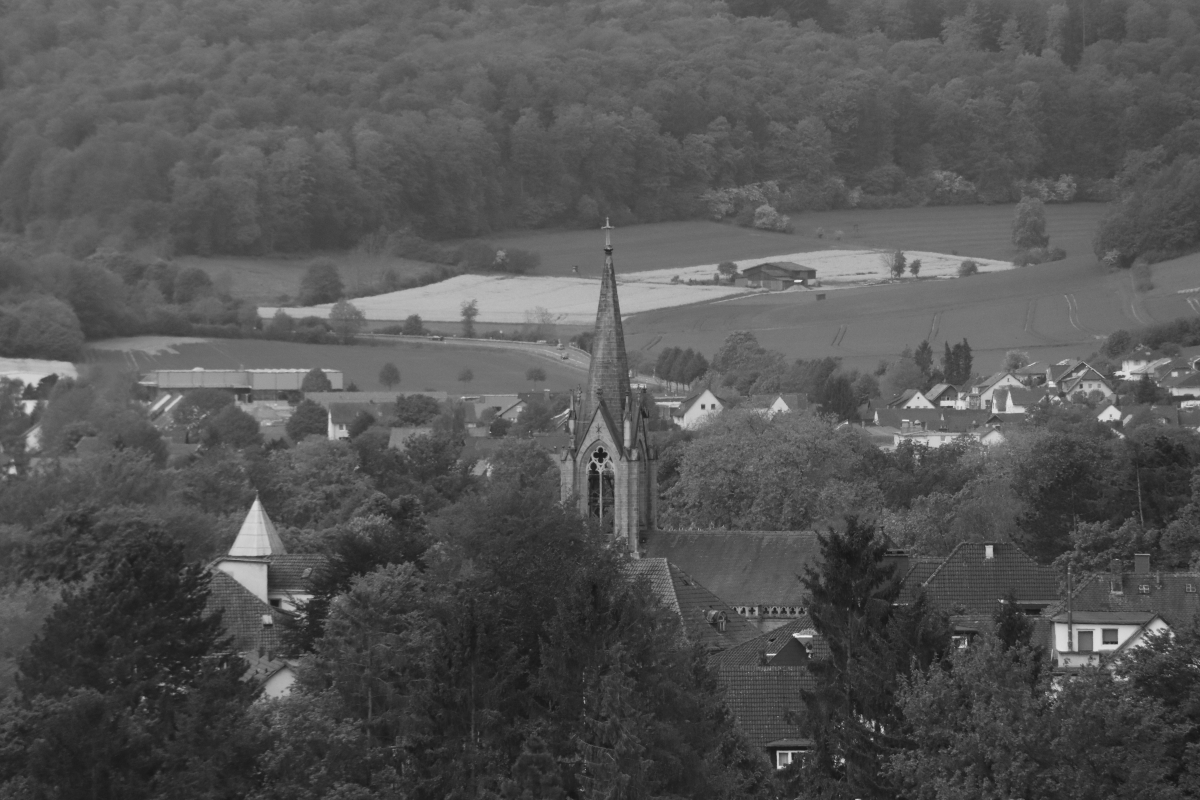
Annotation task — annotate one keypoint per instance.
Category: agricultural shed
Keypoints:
(776, 275)
(247, 384)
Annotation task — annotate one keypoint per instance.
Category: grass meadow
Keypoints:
(423, 365)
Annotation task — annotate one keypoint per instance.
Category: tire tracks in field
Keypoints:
(839, 336)
(1030, 316)
(934, 326)
(1194, 304)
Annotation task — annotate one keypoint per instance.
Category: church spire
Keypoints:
(608, 375)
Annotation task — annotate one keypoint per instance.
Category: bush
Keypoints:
(968, 267)
(321, 284)
(1143, 277)
(766, 218)
(1029, 225)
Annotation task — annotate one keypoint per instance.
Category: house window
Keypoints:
(601, 485)
(1085, 641)
(785, 757)
(1190, 588)
(1144, 588)
(1108, 635)
(276, 602)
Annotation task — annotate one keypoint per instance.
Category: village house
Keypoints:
(980, 397)
(943, 395)
(699, 407)
(1110, 612)
(936, 427)
(1086, 382)
(1019, 401)
(911, 398)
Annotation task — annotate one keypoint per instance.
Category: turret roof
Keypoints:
(258, 536)
(608, 375)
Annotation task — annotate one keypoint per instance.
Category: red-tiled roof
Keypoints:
(969, 583)
(758, 651)
(694, 604)
(1167, 594)
(243, 615)
(743, 568)
(767, 702)
(293, 572)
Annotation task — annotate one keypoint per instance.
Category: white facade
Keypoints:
(1098, 634)
(706, 406)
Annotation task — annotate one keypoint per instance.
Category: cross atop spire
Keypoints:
(608, 374)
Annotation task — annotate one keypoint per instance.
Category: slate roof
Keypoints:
(293, 572)
(743, 568)
(692, 602)
(968, 583)
(767, 702)
(243, 615)
(1167, 595)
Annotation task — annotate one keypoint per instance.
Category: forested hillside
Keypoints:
(223, 126)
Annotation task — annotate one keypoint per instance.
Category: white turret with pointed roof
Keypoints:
(258, 536)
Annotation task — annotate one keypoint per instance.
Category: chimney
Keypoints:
(899, 559)
(1141, 563)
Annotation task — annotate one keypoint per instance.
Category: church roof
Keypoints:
(747, 568)
(694, 604)
(608, 374)
(257, 536)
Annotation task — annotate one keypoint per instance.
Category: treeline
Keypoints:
(296, 126)
(1159, 213)
(1164, 337)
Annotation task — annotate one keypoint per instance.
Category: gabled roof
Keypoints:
(727, 399)
(969, 583)
(694, 604)
(779, 269)
(768, 702)
(1167, 595)
(242, 615)
(903, 398)
(1187, 380)
(938, 392)
(257, 536)
(743, 568)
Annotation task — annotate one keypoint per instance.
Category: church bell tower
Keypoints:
(609, 467)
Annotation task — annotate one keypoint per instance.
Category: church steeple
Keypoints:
(608, 375)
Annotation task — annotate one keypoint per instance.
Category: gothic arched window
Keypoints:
(601, 479)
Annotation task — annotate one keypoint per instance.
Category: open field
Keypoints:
(1052, 311)
(976, 231)
(265, 280)
(423, 365)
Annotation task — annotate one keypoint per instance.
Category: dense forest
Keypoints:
(225, 127)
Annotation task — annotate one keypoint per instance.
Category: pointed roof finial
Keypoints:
(607, 240)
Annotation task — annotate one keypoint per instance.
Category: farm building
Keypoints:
(247, 384)
(776, 275)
